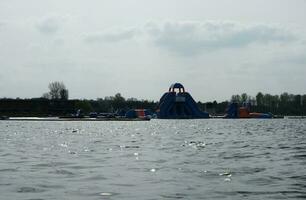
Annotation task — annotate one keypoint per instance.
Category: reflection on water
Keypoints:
(160, 159)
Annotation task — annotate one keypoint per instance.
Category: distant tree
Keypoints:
(46, 95)
(259, 99)
(118, 97)
(303, 102)
(118, 101)
(284, 98)
(252, 100)
(267, 100)
(57, 91)
(298, 101)
(244, 97)
(275, 103)
(64, 94)
(84, 105)
(236, 98)
(132, 99)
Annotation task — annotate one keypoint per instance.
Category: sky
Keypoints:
(139, 47)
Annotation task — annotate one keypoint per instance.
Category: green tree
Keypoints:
(236, 98)
(118, 101)
(64, 94)
(84, 105)
(244, 97)
(259, 99)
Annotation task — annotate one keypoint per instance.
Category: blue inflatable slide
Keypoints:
(178, 104)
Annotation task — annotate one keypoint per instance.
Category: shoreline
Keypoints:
(72, 119)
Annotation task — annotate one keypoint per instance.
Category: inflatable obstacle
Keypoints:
(179, 104)
(234, 111)
(139, 113)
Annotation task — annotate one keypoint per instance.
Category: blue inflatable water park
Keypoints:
(179, 104)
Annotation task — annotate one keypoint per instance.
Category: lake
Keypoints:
(157, 159)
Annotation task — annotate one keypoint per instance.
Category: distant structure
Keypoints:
(178, 104)
(234, 111)
(138, 113)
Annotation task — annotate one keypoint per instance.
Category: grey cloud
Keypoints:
(194, 37)
(113, 36)
(49, 25)
(295, 59)
(2, 24)
(299, 59)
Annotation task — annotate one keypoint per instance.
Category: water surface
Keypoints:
(160, 159)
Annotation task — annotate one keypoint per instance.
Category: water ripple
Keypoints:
(29, 190)
(162, 159)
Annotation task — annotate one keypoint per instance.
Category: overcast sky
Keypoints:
(140, 47)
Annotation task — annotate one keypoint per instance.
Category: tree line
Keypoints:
(283, 104)
(63, 107)
(56, 102)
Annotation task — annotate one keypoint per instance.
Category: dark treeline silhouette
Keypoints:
(284, 104)
(57, 107)
(36, 107)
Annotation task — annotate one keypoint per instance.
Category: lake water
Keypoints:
(159, 159)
